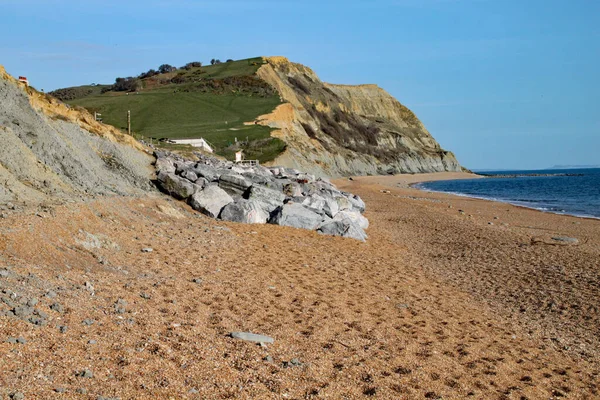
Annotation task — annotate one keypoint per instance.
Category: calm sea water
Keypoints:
(575, 195)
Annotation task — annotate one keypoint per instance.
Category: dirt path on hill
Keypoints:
(423, 309)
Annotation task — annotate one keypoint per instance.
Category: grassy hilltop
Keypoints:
(212, 102)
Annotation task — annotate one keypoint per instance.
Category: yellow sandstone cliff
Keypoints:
(337, 130)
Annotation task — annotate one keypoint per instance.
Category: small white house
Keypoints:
(200, 143)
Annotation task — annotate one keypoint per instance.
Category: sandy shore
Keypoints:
(405, 180)
(449, 298)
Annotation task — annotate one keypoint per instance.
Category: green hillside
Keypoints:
(212, 102)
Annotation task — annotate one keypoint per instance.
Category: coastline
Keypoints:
(415, 180)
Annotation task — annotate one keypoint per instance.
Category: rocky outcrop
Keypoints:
(51, 152)
(259, 195)
(337, 130)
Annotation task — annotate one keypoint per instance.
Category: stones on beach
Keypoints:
(120, 305)
(294, 362)
(565, 239)
(86, 373)
(88, 286)
(252, 337)
(555, 240)
(259, 195)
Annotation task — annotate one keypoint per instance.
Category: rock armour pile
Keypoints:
(259, 195)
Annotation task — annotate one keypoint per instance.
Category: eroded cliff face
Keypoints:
(339, 130)
(51, 152)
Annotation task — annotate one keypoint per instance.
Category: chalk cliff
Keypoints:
(338, 130)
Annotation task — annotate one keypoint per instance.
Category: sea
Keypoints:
(561, 191)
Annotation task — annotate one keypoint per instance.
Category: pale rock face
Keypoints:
(296, 216)
(245, 211)
(269, 199)
(393, 139)
(355, 216)
(210, 201)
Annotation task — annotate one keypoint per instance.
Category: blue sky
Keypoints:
(502, 83)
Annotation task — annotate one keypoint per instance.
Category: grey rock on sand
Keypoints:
(269, 199)
(245, 211)
(210, 201)
(234, 185)
(344, 228)
(296, 216)
(177, 186)
(252, 337)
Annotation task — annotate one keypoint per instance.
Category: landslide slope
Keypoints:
(346, 130)
(52, 152)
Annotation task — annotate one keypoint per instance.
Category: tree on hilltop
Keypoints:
(129, 84)
(148, 74)
(193, 64)
(163, 69)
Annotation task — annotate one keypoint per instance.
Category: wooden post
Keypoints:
(129, 122)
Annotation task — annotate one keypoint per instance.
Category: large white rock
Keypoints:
(269, 199)
(210, 201)
(356, 201)
(343, 227)
(234, 184)
(355, 216)
(165, 165)
(314, 202)
(176, 186)
(297, 216)
(245, 211)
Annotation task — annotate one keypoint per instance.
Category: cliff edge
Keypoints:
(340, 130)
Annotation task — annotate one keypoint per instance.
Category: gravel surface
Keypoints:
(429, 307)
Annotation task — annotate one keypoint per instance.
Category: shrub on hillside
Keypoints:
(193, 64)
(129, 84)
(165, 68)
(148, 74)
(241, 85)
(71, 93)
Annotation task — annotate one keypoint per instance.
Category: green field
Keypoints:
(190, 110)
